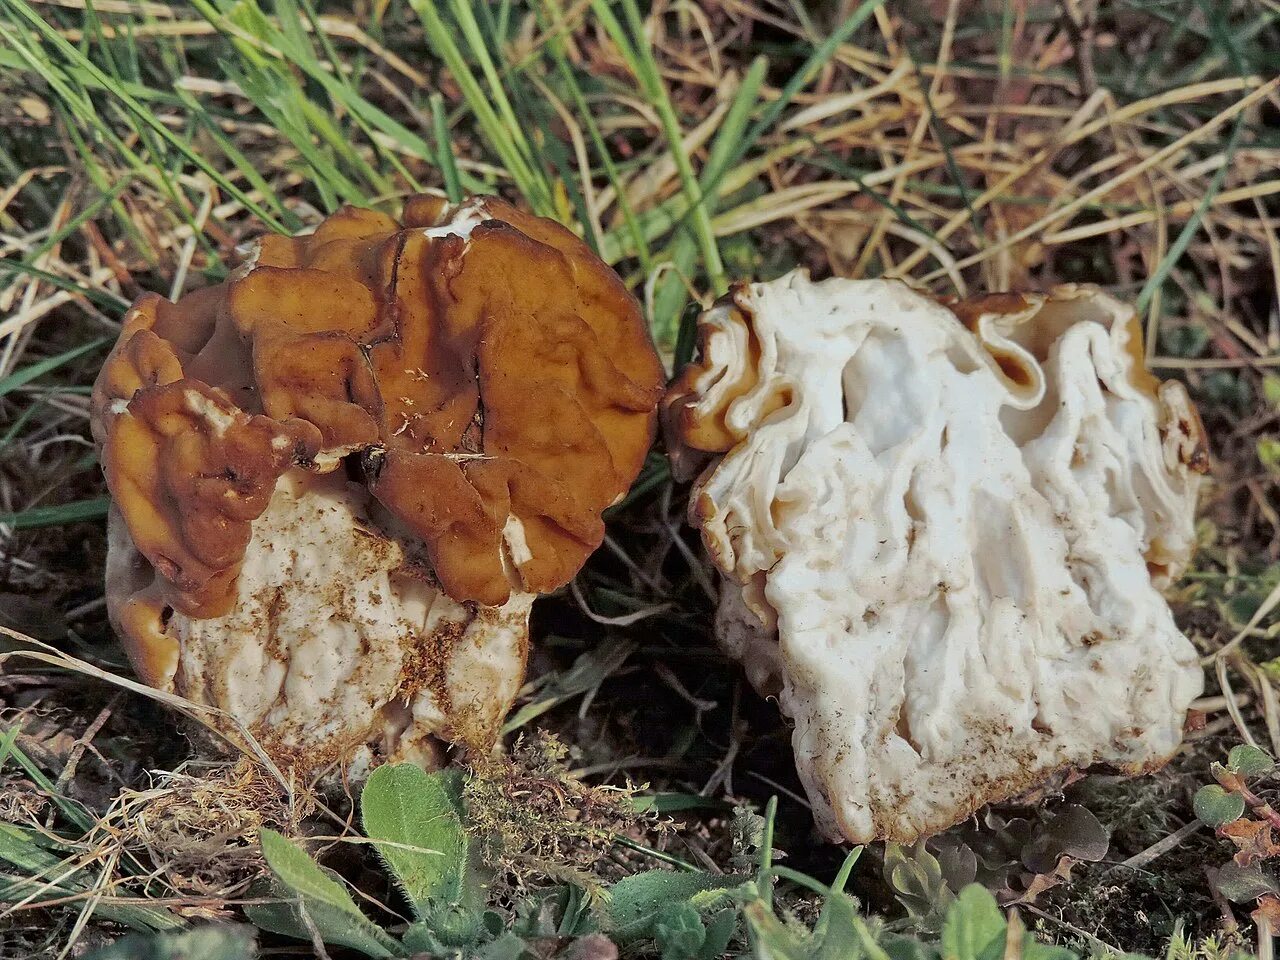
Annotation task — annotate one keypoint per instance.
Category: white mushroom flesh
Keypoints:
(942, 548)
(334, 647)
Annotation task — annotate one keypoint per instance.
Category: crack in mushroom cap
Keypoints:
(942, 530)
(340, 477)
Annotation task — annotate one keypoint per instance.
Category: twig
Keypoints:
(1080, 17)
(83, 741)
(1160, 847)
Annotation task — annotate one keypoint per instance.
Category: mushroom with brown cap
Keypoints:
(942, 530)
(340, 478)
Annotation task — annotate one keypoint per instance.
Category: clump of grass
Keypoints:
(200, 827)
(536, 819)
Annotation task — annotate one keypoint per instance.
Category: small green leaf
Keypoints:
(420, 938)
(1072, 832)
(1215, 807)
(1249, 761)
(973, 924)
(915, 876)
(899, 947)
(679, 932)
(506, 947)
(1243, 884)
(1269, 453)
(302, 875)
(637, 901)
(413, 822)
(456, 927)
(1271, 389)
(838, 928)
(720, 930)
(325, 900)
(334, 927)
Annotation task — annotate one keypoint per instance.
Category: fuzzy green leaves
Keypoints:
(414, 820)
(636, 903)
(321, 906)
(681, 932)
(1224, 802)
(973, 925)
(976, 929)
(916, 878)
(1249, 761)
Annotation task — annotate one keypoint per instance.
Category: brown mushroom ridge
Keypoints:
(484, 372)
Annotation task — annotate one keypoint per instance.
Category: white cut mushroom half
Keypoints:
(942, 532)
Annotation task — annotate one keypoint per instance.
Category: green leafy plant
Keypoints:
(1237, 812)
(672, 909)
(414, 821)
(417, 823)
(1018, 858)
(973, 927)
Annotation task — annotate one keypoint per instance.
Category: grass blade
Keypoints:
(64, 513)
(24, 376)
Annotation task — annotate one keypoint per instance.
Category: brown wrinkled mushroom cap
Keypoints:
(484, 373)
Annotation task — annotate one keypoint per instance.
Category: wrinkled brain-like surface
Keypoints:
(335, 650)
(942, 533)
(406, 427)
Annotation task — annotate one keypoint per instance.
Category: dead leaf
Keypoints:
(1268, 909)
(1253, 840)
(1073, 832)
